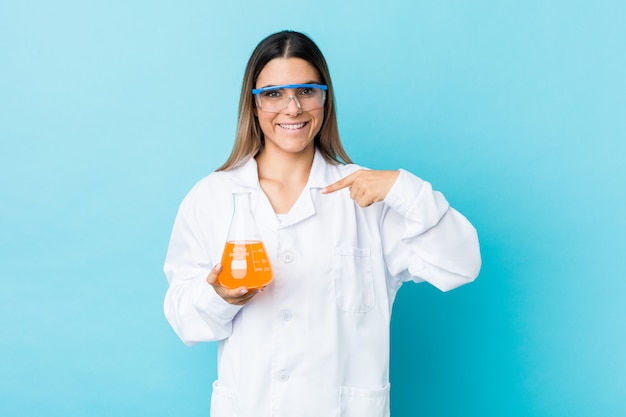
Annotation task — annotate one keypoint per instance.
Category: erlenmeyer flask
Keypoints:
(244, 261)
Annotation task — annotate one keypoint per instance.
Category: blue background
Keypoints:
(111, 110)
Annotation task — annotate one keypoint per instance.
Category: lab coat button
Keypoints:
(286, 315)
(283, 376)
(287, 257)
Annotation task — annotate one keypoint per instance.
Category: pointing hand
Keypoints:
(366, 186)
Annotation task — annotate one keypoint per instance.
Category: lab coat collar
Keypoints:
(322, 173)
(246, 178)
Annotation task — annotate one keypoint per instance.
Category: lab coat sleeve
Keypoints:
(425, 239)
(192, 307)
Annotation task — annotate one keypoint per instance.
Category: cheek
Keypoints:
(320, 121)
(264, 122)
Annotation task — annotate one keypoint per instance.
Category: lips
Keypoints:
(292, 126)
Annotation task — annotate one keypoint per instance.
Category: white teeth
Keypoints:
(293, 126)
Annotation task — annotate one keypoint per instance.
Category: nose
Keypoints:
(293, 106)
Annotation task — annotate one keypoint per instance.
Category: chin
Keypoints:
(294, 149)
(294, 145)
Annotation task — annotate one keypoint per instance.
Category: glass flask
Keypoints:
(244, 260)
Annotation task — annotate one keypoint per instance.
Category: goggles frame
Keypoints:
(258, 91)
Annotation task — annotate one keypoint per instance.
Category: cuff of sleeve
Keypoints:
(208, 301)
(416, 201)
(403, 193)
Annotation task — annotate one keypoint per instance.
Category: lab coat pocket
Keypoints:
(223, 402)
(352, 274)
(360, 402)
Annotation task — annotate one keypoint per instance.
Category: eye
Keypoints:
(306, 92)
(272, 94)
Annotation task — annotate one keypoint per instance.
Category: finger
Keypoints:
(231, 293)
(244, 298)
(342, 183)
(361, 197)
(212, 277)
(239, 296)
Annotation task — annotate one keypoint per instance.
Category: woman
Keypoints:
(341, 241)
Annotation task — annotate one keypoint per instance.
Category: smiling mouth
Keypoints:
(292, 126)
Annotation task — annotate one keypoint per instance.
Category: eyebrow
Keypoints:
(278, 85)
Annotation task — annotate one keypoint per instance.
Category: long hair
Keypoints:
(249, 138)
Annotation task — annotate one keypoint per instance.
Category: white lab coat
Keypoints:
(316, 341)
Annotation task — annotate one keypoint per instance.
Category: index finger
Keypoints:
(342, 183)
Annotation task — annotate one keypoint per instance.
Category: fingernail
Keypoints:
(242, 291)
(218, 267)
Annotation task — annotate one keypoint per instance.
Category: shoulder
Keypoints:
(345, 170)
(214, 184)
(214, 180)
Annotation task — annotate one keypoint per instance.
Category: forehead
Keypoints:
(281, 71)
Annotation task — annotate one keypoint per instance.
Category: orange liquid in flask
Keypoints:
(245, 264)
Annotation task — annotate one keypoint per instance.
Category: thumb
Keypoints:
(212, 277)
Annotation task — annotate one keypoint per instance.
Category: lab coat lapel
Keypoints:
(304, 206)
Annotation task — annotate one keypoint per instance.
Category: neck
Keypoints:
(286, 168)
(283, 176)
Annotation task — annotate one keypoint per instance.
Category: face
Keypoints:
(292, 130)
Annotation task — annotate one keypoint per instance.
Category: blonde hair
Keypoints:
(249, 139)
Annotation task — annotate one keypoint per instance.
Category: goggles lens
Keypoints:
(275, 99)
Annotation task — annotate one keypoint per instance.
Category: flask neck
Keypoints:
(242, 226)
(241, 202)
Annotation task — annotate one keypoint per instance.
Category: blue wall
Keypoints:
(111, 110)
